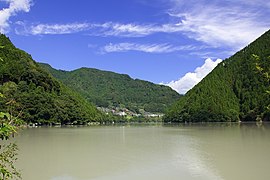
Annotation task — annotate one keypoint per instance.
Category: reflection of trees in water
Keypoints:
(255, 129)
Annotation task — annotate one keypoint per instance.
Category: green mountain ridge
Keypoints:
(36, 93)
(109, 89)
(235, 90)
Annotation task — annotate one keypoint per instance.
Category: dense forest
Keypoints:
(36, 94)
(237, 89)
(109, 89)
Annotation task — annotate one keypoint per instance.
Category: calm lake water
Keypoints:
(191, 152)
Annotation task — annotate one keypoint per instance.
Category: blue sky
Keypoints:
(176, 42)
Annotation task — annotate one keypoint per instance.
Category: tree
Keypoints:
(264, 70)
(8, 153)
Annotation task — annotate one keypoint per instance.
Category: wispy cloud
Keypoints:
(190, 79)
(231, 23)
(59, 28)
(213, 54)
(15, 6)
(45, 29)
(137, 30)
(147, 48)
(123, 30)
(262, 4)
(95, 29)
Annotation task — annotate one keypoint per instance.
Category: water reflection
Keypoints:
(195, 163)
(190, 152)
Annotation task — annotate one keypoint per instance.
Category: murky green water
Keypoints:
(197, 152)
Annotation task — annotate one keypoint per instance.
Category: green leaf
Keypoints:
(2, 114)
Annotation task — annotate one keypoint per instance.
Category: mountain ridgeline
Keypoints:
(237, 89)
(109, 89)
(29, 89)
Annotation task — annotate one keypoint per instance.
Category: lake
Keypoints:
(153, 152)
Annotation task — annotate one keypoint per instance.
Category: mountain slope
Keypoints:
(108, 89)
(234, 90)
(41, 97)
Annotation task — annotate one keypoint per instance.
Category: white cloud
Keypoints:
(45, 29)
(94, 29)
(190, 79)
(58, 28)
(148, 48)
(255, 3)
(234, 24)
(137, 30)
(15, 6)
(128, 30)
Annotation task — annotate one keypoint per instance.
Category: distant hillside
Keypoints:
(109, 89)
(235, 90)
(36, 93)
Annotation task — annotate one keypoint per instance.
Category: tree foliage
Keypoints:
(8, 157)
(108, 89)
(235, 90)
(8, 152)
(264, 70)
(43, 98)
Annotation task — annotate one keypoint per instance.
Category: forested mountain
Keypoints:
(109, 89)
(237, 89)
(34, 92)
